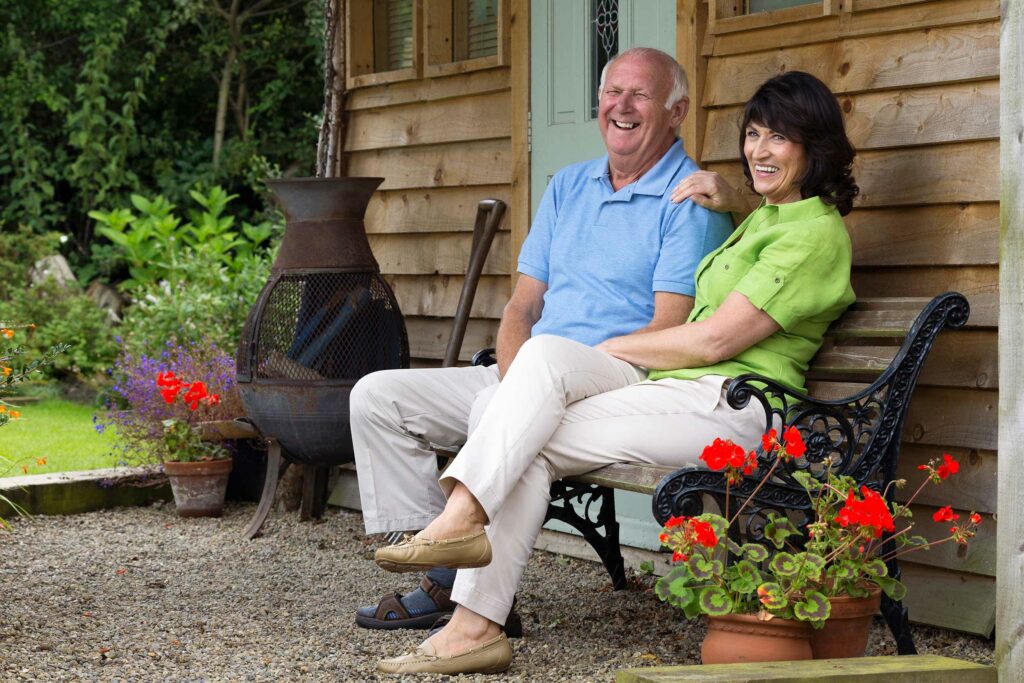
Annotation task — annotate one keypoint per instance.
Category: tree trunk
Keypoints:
(329, 157)
(224, 87)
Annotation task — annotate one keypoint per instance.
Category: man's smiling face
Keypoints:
(632, 116)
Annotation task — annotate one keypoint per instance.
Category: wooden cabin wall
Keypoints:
(442, 144)
(918, 81)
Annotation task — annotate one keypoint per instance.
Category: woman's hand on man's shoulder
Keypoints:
(711, 191)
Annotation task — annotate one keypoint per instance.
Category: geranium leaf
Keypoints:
(891, 587)
(703, 568)
(778, 529)
(771, 595)
(715, 601)
(875, 567)
(814, 607)
(755, 552)
(783, 564)
(733, 546)
(843, 570)
(811, 564)
(674, 588)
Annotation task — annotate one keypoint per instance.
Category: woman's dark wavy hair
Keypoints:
(803, 109)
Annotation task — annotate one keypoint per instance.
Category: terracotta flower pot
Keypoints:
(199, 486)
(846, 631)
(744, 638)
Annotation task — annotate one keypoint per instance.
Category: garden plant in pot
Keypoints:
(798, 594)
(158, 405)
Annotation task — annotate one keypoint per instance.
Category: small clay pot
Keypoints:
(199, 487)
(737, 638)
(846, 631)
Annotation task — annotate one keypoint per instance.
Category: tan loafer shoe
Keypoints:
(417, 554)
(491, 657)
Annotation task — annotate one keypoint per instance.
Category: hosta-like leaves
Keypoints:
(715, 602)
(784, 564)
(754, 552)
(814, 607)
(891, 587)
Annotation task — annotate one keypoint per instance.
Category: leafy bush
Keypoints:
(61, 313)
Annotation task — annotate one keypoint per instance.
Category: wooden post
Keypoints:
(691, 23)
(1010, 546)
(520, 77)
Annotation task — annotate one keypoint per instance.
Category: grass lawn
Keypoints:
(60, 431)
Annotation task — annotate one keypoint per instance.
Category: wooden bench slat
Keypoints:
(627, 477)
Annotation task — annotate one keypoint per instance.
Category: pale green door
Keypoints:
(571, 40)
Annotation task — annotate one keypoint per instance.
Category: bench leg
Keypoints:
(269, 489)
(598, 512)
(897, 617)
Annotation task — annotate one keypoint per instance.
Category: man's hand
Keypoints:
(517, 320)
(708, 189)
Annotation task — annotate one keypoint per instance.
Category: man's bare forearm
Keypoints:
(512, 333)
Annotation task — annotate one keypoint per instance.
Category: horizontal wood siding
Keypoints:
(441, 144)
(918, 84)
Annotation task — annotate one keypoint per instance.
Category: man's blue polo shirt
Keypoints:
(604, 253)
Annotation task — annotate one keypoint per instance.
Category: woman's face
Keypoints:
(776, 163)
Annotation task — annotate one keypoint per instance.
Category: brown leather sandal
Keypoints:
(391, 614)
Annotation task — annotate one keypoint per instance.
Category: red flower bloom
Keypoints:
(663, 538)
(674, 522)
(751, 463)
(770, 441)
(948, 467)
(871, 514)
(795, 446)
(945, 514)
(720, 454)
(196, 392)
(975, 518)
(679, 557)
(705, 534)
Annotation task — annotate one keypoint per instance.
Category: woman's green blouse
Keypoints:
(792, 261)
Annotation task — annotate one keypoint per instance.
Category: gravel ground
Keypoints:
(139, 594)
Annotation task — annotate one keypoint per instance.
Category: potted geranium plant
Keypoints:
(158, 405)
(795, 584)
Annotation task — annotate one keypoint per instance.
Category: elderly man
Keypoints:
(607, 255)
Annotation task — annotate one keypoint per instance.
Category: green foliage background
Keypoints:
(103, 98)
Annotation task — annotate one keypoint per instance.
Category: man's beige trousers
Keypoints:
(563, 408)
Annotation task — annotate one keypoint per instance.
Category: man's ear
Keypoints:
(679, 110)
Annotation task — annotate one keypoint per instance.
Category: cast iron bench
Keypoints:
(854, 428)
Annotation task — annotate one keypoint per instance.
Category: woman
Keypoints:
(763, 302)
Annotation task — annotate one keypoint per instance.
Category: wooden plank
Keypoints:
(1010, 559)
(948, 599)
(475, 117)
(484, 162)
(429, 90)
(443, 254)
(748, 22)
(881, 669)
(691, 22)
(978, 283)
(937, 416)
(439, 209)
(960, 358)
(428, 337)
(914, 58)
(879, 120)
(943, 234)
(519, 208)
(438, 295)
(864, 5)
(827, 29)
(972, 488)
(627, 477)
(964, 172)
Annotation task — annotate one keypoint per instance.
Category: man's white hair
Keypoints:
(680, 85)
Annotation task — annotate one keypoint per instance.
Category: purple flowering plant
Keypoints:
(139, 413)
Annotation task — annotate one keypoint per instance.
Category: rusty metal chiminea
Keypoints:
(324, 319)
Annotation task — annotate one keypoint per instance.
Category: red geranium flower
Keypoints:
(795, 446)
(196, 392)
(975, 518)
(674, 522)
(770, 441)
(705, 534)
(945, 514)
(948, 467)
